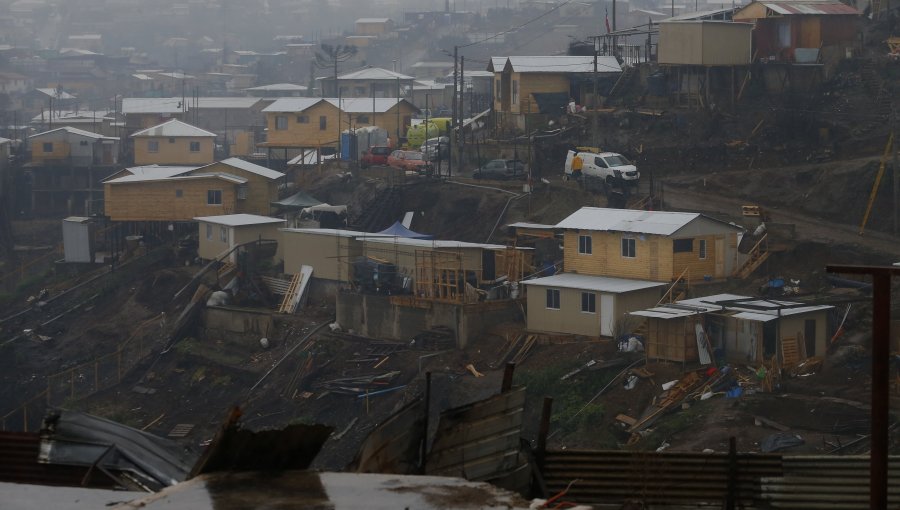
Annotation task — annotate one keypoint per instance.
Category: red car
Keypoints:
(376, 155)
(409, 161)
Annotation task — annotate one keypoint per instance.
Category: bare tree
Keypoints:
(331, 56)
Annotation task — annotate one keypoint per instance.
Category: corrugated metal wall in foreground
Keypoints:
(665, 478)
(675, 479)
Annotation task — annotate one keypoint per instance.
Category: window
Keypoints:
(152, 145)
(48, 146)
(553, 299)
(360, 91)
(362, 119)
(195, 146)
(584, 245)
(323, 123)
(600, 162)
(280, 122)
(683, 246)
(171, 140)
(242, 192)
(702, 249)
(214, 197)
(223, 234)
(209, 232)
(83, 143)
(179, 193)
(515, 91)
(302, 119)
(628, 250)
(588, 302)
(497, 88)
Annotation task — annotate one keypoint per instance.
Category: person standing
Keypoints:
(577, 164)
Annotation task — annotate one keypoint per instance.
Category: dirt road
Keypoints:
(809, 228)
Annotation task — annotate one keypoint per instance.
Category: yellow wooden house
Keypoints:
(649, 245)
(173, 143)
(181, 193)
(542, 84)
(306, 122)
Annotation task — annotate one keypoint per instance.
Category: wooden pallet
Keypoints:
(287, 302)
(790, 351)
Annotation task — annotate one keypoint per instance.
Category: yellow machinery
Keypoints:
(878, 176)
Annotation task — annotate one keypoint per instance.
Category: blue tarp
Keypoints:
(397, 229)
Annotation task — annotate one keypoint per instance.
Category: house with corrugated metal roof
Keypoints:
(531, 85)
(617, 261)
(299, 123)
(155, 193)
(798, 30)
(740, 329)
(173, 143)
(368, 82)
(67, 166)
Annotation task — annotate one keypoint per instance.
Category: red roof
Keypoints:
(813, 7)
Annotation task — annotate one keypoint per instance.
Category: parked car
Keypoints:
(501, 169)
(608, 166)
(409, 160)
(436, 148)
(376, 155)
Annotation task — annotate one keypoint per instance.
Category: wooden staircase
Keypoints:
(679, 288)
(225, 269)
(757, 255)
(625, 78)
(287, 302)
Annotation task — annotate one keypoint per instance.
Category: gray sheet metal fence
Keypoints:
(694, 479)
(480, 441)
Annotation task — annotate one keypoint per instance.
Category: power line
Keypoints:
(513, 29)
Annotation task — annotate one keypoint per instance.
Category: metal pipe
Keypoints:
(508, 373)
(881, 317)
(544, 427)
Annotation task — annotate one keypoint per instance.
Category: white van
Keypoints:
(608, 166)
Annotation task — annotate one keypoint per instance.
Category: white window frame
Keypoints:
(586, 247)
(191, 146)
(558, 300)
(153, 146)
(219, 203)
(208, 232)
(701, 249)
(281, 122)
(633, 243)
(223, 234)
(592, 300)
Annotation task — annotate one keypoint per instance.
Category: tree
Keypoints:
(331, 56)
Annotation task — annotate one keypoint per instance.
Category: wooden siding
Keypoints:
(174, 151)
(309, 135)
(654, 258)
(60, 150)
(536, 82)
(261, 191)
(157, 200)
(672, 339)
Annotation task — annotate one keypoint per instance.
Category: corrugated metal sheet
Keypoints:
(818, 7)
(19, 464)
(812, 482)
(393, 447)
(697, 479)
(479, 441)
(614, 477)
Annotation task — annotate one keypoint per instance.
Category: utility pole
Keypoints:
(454, 124)
(460, 115)
(614, 16)
(594, 100)
(895, 164)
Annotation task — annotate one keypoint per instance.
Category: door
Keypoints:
(607, 318)
(719, 254)
(809, 335)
